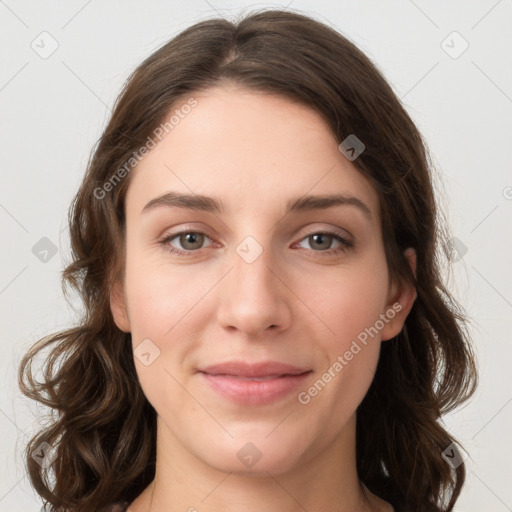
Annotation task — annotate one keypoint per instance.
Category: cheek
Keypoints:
(349, 353)
(159, 296)
(349, 301)
(350, 306)
(160, 309)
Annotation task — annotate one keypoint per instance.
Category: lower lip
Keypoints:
(254, 392)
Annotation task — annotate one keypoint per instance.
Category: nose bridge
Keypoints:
(253, 299)
(251, 272)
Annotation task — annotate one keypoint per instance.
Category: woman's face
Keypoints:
(254, 281)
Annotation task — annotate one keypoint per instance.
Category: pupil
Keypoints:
(318, 239)
(190, 238)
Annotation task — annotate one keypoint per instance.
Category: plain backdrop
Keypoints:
(62, 66)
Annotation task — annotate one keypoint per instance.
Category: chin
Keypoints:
(254, 458)
(273, 465)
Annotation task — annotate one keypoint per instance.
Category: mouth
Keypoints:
(254, 370)
(251, 385)
(255, 379)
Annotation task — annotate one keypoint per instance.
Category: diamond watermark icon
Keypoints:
(454, 45)
(44, 455)
(146, 352)
(249, 454)
(44, 250)
(457, 249)
(351, 147)
(454, 455)
(44, 45)
(249, 249)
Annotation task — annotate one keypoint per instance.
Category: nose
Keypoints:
(253, 297)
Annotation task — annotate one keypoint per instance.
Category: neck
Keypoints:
(326, 481)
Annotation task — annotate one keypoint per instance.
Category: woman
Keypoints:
(224, 362)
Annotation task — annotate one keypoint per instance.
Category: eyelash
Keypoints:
(344, 243)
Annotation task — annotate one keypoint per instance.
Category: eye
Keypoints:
(190, 241)
(323, 241)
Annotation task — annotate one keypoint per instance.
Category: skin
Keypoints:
(293, 304)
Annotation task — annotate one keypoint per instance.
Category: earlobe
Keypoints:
(118, 307)
(400, 303)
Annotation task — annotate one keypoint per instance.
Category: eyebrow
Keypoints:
(213, 205)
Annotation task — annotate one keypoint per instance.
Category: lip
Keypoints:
(262, 369)
(254, 384)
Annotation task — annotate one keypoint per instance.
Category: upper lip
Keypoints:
(262, 369)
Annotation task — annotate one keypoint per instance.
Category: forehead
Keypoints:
(249, 149)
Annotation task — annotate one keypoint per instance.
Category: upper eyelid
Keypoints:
(307, 227)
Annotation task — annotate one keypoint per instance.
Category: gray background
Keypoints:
(53, 110)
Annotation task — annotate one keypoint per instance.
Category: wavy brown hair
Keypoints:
(104, 435)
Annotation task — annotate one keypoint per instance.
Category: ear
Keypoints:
(118, 307)
(400, 302)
